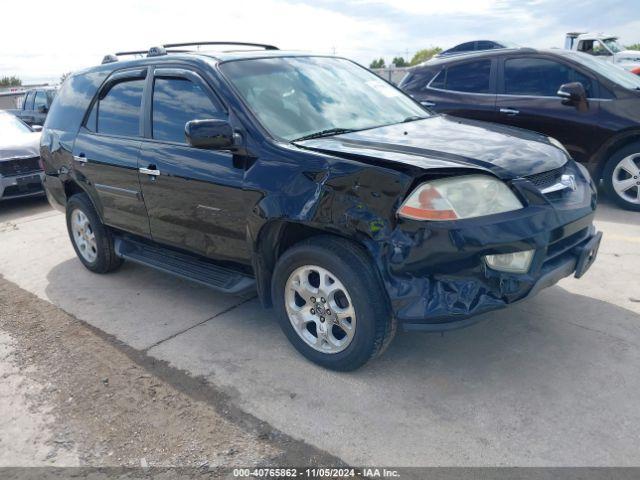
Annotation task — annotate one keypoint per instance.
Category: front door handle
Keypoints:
(81, 159)
(150, 171)
(427, 104)
(509, 111)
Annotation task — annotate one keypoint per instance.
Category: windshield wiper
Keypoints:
(324, 133)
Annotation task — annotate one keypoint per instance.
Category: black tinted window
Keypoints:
(472, 77)
(119, 111)
(485, 45)
(541, 77)
(177, 101)
(465, 47)
(41, 100)
(439, 81)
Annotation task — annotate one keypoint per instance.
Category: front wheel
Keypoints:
(331, 303)
(622, 177)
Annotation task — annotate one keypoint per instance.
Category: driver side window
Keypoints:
(177, 101)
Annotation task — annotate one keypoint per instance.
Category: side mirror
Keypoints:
(211, 133)
(43, 109)
(573, 94)
(36, 128)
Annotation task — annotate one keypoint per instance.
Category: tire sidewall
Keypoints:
(362, 345)
(607, 175)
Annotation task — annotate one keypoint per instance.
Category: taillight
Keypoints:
(636, 70)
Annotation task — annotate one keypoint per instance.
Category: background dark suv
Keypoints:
(592, 107)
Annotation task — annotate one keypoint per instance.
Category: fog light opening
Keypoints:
(515, 262)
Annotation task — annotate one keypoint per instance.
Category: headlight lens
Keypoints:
(516, 262)
(461, 197)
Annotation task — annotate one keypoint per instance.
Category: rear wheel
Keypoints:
(622, 177)
(331, 303)
(91, 240)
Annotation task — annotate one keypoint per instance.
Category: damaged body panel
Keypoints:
(445, 218)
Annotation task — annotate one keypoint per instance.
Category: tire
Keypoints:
(355, 299)
(624, 166)
(92, 241)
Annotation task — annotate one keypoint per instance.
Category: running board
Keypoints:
(184, 265)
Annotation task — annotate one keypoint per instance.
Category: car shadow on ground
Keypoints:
(138, 300)
(559, 362)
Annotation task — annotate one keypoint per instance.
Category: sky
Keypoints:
(40, 40)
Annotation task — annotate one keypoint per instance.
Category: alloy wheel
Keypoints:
(320, 309)
(84, 236)
(626, 178)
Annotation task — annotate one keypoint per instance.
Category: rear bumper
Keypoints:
(21, 186)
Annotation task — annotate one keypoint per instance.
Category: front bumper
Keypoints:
(435, 273)
(21, 186)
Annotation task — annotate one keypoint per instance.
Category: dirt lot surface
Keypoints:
(79, 397)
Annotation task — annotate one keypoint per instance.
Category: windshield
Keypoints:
(11, 126)
(294, 97)
(609, 70)
(613, 45)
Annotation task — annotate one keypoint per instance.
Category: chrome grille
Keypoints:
(19, 166)
(546, 179)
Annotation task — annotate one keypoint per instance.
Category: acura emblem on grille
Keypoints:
(569, 181)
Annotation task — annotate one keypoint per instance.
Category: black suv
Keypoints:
(344, 203)
(591, 106)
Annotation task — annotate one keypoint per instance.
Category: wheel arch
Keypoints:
(72, 187)
(614, 144)
(283, 234)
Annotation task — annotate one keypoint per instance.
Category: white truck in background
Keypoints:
(604, 46)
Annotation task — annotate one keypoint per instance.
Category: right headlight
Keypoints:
(460, 197)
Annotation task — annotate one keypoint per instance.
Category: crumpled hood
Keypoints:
(19, 146)
(441, 141)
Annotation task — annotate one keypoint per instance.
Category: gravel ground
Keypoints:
(78, 397)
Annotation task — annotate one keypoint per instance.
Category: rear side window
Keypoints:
(470, 77)
(28, 101)
(73, 99)
(118, 113)
(177, 101)
(540, 77)
(40, 101)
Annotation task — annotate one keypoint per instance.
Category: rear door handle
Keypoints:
(509, 111)
(427, 104)
(150, 171)
(82, 159)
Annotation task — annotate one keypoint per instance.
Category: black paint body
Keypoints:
(609, 120)
(246, 205)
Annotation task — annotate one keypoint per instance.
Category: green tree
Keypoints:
(424, 55)
(635, 46)
(12, 81)
(378, 63)
(400, 62)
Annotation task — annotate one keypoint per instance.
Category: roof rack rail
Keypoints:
(242, 44)
(152, 52)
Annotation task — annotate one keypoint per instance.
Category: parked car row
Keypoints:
(20, 170)
(591, 107)
(35, 105)
(350, 208)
